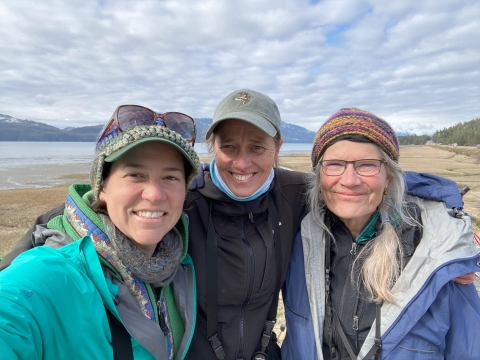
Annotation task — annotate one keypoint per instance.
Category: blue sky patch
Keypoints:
(333, 37)
(315, 70)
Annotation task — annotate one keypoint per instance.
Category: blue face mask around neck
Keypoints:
(218, 181)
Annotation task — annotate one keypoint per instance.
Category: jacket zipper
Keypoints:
(250, 287)
(161, 319)
(358, 312)
(353, 252)
(355, 331)
(162, 322)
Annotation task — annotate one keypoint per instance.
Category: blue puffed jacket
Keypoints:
(434, 317)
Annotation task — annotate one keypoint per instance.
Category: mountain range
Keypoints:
(13, 129)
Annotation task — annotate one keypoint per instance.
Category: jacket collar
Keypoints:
(223, 205)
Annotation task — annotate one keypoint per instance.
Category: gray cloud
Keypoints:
(411, 62)
(44, 99)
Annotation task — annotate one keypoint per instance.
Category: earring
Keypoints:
(385, 191)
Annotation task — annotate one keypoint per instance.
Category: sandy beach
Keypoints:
(41, 176)
(20, 207)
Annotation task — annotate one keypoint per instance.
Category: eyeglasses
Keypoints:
(129, 116)
(365, 167)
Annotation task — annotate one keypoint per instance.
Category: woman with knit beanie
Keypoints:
(113, 279)
(370, 272)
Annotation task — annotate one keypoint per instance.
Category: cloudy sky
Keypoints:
(415, 63)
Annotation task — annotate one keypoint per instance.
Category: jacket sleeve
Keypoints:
(19, 330)
(447, 330)
(462, 337)
(21, 309)
(25, 243)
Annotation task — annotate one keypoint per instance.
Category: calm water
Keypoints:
(14, 154)
(46, 164)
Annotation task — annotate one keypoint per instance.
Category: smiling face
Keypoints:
(144, 193)
(352, 197)
(244, 155)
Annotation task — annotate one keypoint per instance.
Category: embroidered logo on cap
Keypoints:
(243, 97)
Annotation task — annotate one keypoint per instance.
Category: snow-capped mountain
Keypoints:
(7, 119)
(13, 129)
(414, 129)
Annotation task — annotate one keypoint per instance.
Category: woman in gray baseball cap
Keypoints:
(243, 221)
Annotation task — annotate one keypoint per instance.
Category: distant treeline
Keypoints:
(462, 134)
(413, 139)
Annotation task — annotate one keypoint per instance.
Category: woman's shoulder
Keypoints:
(290, 177)
(436, 211)
(57, 275)
(42, 264)
(444, 237)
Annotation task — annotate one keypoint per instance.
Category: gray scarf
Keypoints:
(158, 269)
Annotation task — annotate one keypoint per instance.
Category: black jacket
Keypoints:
(247, 274)
(356, 313)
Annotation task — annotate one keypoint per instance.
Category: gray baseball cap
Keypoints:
(250, 106)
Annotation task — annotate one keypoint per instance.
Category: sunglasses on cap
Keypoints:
(129, 116)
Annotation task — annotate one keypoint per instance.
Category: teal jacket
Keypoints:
(52, 301)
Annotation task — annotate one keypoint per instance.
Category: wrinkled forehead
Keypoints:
(352, 137)
(239, 129)
(350, 149)
(238, 124)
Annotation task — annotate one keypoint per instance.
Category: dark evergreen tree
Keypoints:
(463, 134)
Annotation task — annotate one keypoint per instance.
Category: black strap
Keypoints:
(121, 342)
(340, 331)
(212, 291)
(377, 346)
(212, 287)
(275, 222)
(277, 243)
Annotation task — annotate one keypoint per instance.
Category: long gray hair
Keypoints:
(381, 260)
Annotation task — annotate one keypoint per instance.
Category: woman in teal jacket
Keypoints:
(116, 261)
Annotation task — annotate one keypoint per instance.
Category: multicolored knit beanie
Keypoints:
(353, 122)
(115, 143)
